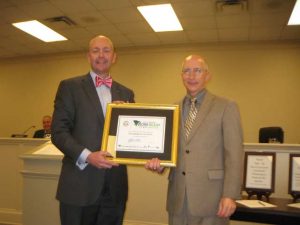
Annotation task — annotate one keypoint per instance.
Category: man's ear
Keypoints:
(208, 76)
(114, 58)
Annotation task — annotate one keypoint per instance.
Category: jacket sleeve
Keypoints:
(63, 123)
(233, 151)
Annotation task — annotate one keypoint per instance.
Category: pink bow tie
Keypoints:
(100, 81)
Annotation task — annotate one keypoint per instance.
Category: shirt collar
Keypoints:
(93, 75)
(199, 96)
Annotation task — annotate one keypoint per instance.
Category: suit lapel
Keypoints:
(89, 88)
(115, 92)
(202, 113)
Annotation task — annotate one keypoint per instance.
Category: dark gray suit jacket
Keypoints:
(39, 133)
(78, 123)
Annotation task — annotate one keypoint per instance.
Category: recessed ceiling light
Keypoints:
(161, 17)
(295, 16)
(39, 30)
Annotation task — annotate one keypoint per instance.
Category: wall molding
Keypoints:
(10, 216)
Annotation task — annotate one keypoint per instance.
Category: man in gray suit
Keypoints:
(207, 180)
(92, 190)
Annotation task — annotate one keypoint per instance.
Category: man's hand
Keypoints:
(119, 102)
(154, 165)
(98, 159)
(227, 207)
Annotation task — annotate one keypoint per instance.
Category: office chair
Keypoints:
(271, 134)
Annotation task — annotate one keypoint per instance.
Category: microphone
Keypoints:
(23, 135)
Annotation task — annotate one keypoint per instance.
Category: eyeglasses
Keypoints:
(103, 50)
(189, 71)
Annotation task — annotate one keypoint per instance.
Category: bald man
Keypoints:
(46, 131)
(207, 180)
(91, 190)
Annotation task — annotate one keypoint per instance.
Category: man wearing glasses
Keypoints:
(207, 179)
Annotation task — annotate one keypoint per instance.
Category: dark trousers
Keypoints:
(103, 212)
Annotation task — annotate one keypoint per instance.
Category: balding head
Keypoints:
(194, 74)
(198, 58)
(101, 38)
(101, 55)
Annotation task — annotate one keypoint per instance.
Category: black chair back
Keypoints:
(271, 134)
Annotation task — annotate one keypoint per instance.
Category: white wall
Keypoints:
(263, 78)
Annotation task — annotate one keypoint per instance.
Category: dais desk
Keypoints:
(281, 215)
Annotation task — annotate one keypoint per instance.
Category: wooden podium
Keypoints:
(11, 179)
(40, 177)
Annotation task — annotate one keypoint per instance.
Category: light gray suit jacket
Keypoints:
(210, 162)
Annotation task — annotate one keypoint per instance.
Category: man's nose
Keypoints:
(101, 53)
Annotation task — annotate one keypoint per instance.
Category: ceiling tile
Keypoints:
(151, 2)
(111, 4)
(67, 46)
(76, 33)
(200, 22)
(13, 14)
(271, 6)
(291, 33)
(133, 28)
(273, 19)
(264, 33)
(73, 6)
(172, 37)
(40, 10)
(120, 20)
(232, 34)
(120, 40)
(194, 8)
(91, 18)
(210, 35)
(5, 4)
(105, 29)
(24, 2)
(144, 39)
(232, 21)
(121, 15)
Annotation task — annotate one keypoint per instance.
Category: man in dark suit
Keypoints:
(207, 179)
(46, 131)
(92, 190)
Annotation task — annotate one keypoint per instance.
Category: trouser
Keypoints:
(194, 220)
(185, 218)
(103, 212)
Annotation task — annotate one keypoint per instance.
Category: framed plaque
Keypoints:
(259, 173)
(134, 133)
(294, 176)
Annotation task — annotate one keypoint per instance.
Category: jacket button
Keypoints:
(187, 151)
(183, 173)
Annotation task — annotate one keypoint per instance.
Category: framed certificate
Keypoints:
(134, 133)
(259, 174)
(294, 176)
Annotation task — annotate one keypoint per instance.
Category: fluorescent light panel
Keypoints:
(161, 17)
(39, 30)
(295, 16)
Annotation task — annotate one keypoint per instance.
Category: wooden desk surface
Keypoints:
(282, 214)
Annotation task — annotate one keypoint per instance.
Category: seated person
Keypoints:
(46, 131)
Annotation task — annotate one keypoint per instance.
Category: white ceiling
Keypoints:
(202, 20)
